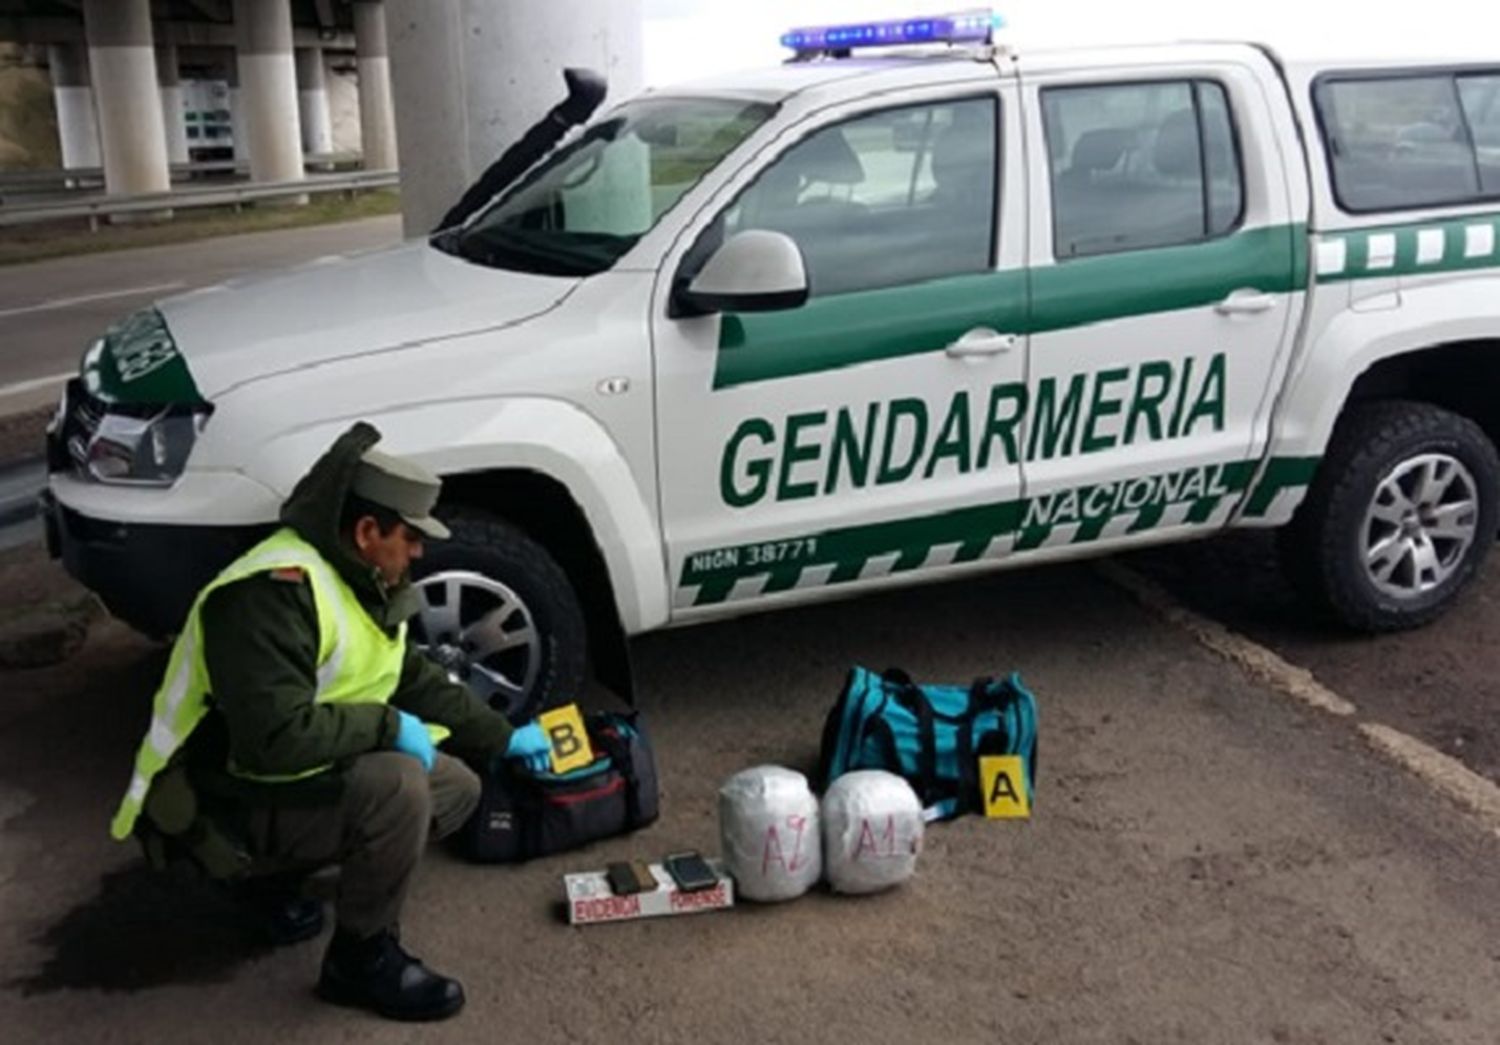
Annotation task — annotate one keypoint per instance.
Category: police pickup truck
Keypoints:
(905, 308)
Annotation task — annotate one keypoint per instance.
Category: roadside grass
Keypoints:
(28, 123)
(25, 243)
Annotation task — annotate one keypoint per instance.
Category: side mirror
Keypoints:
(755, 271)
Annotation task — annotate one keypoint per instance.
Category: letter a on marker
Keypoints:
(1003, 778)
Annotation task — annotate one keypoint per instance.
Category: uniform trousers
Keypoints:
(375, 830)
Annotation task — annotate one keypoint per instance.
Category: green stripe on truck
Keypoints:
(872, 325)
(1415, 248)
(843, 554)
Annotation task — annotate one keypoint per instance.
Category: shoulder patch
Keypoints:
(290, 574)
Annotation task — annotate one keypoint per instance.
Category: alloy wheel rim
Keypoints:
(1420, 525)
(482, 632)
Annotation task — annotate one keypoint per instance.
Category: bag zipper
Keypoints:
(610, 788)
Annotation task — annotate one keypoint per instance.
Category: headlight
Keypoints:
(133, 414)
(147, 450)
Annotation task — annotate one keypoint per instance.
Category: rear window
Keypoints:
(1141, 165)
(1412, 140)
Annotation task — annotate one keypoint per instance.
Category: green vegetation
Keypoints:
(24, 243)
(28, 122)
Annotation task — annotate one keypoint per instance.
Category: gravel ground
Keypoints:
(1207, 863)
(1438, 683)
(23, 436)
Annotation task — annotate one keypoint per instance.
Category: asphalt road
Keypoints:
(1208, 863)
(51, 310)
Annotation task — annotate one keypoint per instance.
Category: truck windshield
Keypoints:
(580, 210)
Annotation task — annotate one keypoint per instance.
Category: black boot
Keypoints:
(278, 910)
(376, 974)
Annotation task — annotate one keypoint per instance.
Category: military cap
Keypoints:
(401, 486)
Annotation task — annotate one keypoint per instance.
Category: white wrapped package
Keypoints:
(872, 831)
(768, 825)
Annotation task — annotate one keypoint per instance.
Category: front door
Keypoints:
(869, 432)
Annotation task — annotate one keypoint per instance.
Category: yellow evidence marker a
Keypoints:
(570, 740)
(1003, 781)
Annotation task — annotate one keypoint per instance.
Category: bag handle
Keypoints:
(617, 747)
(910, 695)
(968, 770)
(985, 694)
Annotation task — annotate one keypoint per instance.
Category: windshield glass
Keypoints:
(586, 205)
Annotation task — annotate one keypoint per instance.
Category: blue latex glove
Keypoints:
(412, 739)
(530, 744)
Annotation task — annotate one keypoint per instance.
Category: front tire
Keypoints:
(499, 612)
(1399, 518)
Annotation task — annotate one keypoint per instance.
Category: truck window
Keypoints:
(1481, 100)
(1405, 141)
(900, 196)
(1141, 165)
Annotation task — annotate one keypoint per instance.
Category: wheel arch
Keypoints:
(1458, 376)
(1431, 349)
(542, 508)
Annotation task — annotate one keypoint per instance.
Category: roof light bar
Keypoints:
(974, 26)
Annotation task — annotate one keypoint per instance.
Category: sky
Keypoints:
(685, 39)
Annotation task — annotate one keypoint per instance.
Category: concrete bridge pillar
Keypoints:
(471, 76)
(77, 129)
(268, 90)
(237, 129)
(377, 117)
(312, 96)
(173, 122)
(122, 65)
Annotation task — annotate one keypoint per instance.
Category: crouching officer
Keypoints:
(294, 727)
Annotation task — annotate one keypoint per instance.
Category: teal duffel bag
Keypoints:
(933, 736)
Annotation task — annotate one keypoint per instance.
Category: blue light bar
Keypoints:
(966, 27)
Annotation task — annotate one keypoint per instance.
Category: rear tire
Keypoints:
(498, 611)
(1399, 518)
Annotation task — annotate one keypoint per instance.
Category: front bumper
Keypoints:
(146, 574)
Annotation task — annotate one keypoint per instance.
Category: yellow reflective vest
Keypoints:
(357, 662)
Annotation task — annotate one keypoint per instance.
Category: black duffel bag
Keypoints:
(522, 815)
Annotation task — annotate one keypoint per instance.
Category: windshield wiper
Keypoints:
(513, 249)
(448, 242)
(551, 252)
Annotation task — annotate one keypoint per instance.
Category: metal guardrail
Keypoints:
(21, 484)
(85, 177)
(235, 196)
(75, 177)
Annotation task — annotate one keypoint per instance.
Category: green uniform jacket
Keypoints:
(260, 645)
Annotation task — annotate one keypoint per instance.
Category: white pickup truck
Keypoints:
(869, 318)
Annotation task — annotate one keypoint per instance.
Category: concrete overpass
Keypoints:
(470, 76)
(116, 68)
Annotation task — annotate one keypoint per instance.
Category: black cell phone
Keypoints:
(623, 880)
(690, 871)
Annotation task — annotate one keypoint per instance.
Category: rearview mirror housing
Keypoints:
(754, 271)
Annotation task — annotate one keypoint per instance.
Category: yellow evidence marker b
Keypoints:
(569, 739)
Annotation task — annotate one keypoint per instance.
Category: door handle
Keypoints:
(981, 341)
(1245, 303)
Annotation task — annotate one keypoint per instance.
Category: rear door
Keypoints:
(1167, 265)
(832, 446)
